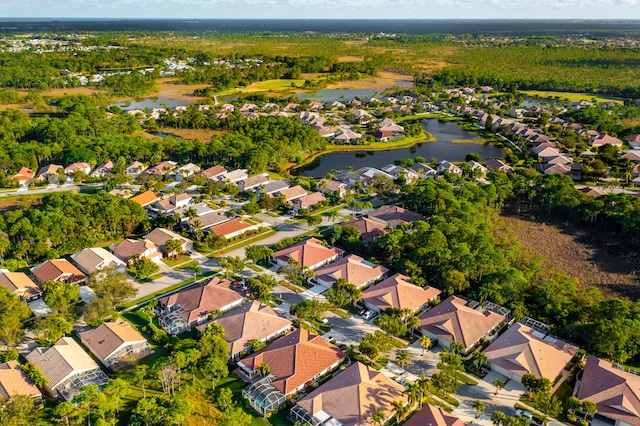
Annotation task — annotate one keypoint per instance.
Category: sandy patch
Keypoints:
(350, 58)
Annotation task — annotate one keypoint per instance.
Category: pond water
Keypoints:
(331, 95)
(151, 103)
(442, 149)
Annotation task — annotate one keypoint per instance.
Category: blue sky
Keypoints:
(321, 9)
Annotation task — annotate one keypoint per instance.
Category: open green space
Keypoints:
(570, 96)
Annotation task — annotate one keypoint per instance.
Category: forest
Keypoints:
(464, 248)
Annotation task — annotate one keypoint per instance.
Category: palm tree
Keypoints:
(403, 358)
(590, 408)
(401, 410)
(263, 369)
(413, 322)
(425, 342)
(333, 216)
(499, 384)
(378, 418)
(195, 268)
(573, 404)
(479, 406)
(498, 418)
(413, 391)
(479, 359)
(425, 386)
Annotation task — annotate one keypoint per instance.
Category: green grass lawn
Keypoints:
(174, 262)
(570, 96)
(243, 243)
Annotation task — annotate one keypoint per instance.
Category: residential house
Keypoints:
(215, 172)
(389, 125)
(499, 166)
(521, 350)
(103, 169)
(477, 168)
(362, 116)
(252, 321)
(248, 108)
(352, 268)
(315, 106)
(633, 156)
(550, 169)
(326, 132)
(128, 249)
(116, 344)
(273, 187)
(67, 368)
(233, 228)
(453, 320)
(433, 416)
(615, 392)
(294, 360)
(161, 168)
(398, 292)
(146, 198)
(83, 167)
(346, 137)
(382, 135)
(189, 169)
(448, 167)
(23, 176)
(180, 311)
(205, 222)
(197, 210)
(368, 173)
(292, 193)
(370, 230)
(135, 168)
(424, 170)
(634, 140)
(335, 105)
(253, 182)
(332, 187)
(291, 107)
(351, 398)
(58, 270)
(604, 139)
(560, 159)
(308, 201)
(394, 216)
(409, 175)
(48, 172)
(19, 284)
(15, 382)
(169, 205)
(236, 175)
(160, 236)
(592, 191)
(310, 253)
(94, 259)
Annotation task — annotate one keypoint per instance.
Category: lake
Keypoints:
(442, 149)
(151, 103)
(343, 95)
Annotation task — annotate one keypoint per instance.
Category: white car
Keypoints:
(522, 413)
(367, 315)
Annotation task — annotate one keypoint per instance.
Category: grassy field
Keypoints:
(570, 96)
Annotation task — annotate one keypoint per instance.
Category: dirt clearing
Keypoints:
(594, 256)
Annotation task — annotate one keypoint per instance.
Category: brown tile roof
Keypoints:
(331, 185)
(370, 230)
(61, 361)
(398, 292)
(50, 169)
(14, 381)
(592, 191)
(128, 248)
(308, 253)
(92, 259)
(433, 416)
(19, 283)
(245, 323)
(523, 350)
(160, 236)
(229, 227)
(110, 337)
(295, 359)
(308, 200)
(57, 270)
(354, 396)
(212, 172)
(615, 392)
(202, 299)
(451, 320)
(146, 198)
(293, 192)
(353, 268)
(77, 166)
(394, 215)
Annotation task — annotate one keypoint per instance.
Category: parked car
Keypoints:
(523, 413)
(368, 315)
(401, 380)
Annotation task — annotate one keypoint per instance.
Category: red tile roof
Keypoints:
(57, 270)
(433, 416)
(295, 359)
(355, 395)
(453, 321)
(398, 292)
(615, 392)
(226, 228)
(370, 230)
(353, 268)
(308, 253)
(146, 198)
(203, 299)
